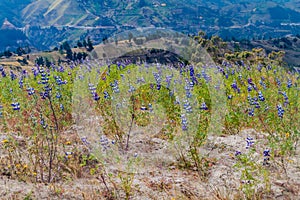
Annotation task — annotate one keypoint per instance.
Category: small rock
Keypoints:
(157, 140)
(172, 167)
(180, 180)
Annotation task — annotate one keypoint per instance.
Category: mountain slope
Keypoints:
(58, 12)
(11, 10)
(74, 19)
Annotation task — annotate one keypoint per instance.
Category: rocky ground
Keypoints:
(158, 175)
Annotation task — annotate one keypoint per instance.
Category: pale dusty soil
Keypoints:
(159, 177)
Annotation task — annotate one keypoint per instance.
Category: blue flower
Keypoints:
(261, 82)
(237, 153)
(143, 108)
(261, 96)
(266, 157)
(59, 81)
(44, 95)
(251, 112)
(3, 73)
(234, 86)
(21, 83)
(16, 105)
(187, 106)
(1, 114)
(203, 106)
(92, 88)
(84, 140)
(96, 97)
(249, 88)
(158, 87)
(58, 95)
(44, 78)
(192, 71)
(62, 107)
(184, 123)
(61, 69)
(30, 91)
(150, 107)
(42, 122)
(280, 111)
(131, 88)
(289, 83)
(240, 77)
(68, 154)
(278, 82)
(188, 94)
(12, 75)
(266, 152)
(48, 88)
(250, 81)
(286, 98)
(106, 95)
(104, 142)
(250, 142)
(157, 77)
(115, 86)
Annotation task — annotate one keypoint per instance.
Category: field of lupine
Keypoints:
(103, 121)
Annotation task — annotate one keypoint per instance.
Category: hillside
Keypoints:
(155, 47)
(46, 23)
(289, 44)
(95, 130)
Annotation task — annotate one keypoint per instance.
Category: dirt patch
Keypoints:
(159, 176)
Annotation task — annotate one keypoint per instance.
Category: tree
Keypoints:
(7, 53)
(79, 44)
(25, 61)
(20, 51)
(68, 49)
(89, 44)
(79, 56)
(39, 61)
(69, 54)
(75, 56)
(47, 62)
(84, 55)
(130, 36)
(59, 61)
(84, 43)
(61, 49)
(66, 46)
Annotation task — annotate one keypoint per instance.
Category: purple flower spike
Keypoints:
(204, 106)
(16, 105)
(96, 96)
(237, 153)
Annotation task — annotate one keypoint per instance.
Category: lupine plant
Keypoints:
(36, 107)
